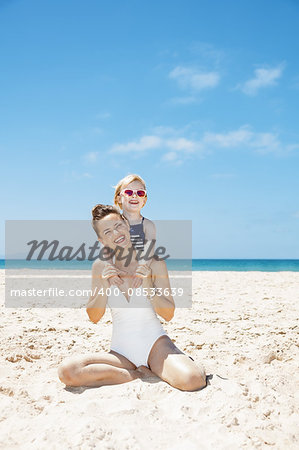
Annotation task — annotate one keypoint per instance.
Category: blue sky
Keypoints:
(200, 98)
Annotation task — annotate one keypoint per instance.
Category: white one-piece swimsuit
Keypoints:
(136, 326)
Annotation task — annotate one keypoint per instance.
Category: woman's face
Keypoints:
(133, 203)
(114, 231)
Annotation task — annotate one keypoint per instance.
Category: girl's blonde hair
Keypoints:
(123, 183)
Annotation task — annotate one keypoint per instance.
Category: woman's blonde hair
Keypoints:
(123, 183)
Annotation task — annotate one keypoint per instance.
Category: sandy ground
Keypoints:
(242, 327)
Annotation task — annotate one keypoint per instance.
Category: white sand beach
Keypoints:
(242, 327)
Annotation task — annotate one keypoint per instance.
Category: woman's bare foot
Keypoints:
(144, 372)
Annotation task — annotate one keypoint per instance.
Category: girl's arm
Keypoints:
(146, 256)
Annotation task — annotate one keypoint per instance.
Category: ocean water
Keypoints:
(235, 265)
(247, 265)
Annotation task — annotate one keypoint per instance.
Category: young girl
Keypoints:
(131, 196)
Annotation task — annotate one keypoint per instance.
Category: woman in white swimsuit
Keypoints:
(139, 344)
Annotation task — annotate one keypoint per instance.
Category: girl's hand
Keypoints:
(144, 273)
(115, 280)
(136, 281)
(112, 275)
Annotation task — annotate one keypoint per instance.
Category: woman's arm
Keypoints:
(162, 300)
(96, 305)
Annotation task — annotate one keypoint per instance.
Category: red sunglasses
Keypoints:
(129, 192)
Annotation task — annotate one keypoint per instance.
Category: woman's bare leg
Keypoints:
(97, 370)
(174, 367)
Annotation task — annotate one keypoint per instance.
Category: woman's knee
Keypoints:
(67, 374)
(191, 380)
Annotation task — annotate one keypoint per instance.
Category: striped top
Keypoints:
(137, 235)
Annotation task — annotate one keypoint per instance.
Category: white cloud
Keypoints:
(176, 147)
(196, 80)
(143, 144)
(295, 82)
(179, 144)
(183, 100)
(104, 115)
(97, 130)
(230, 139)
(172, 131)
(264, 77)
(172, 158)
(64, 162)
(266, 142)
(245, 137)
(74, 175)
(91, 157)
(182, 144)
(164, 130)
(292, 147)
(208, 51)
(222, 176)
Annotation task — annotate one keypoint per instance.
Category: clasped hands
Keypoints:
(116, 276)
